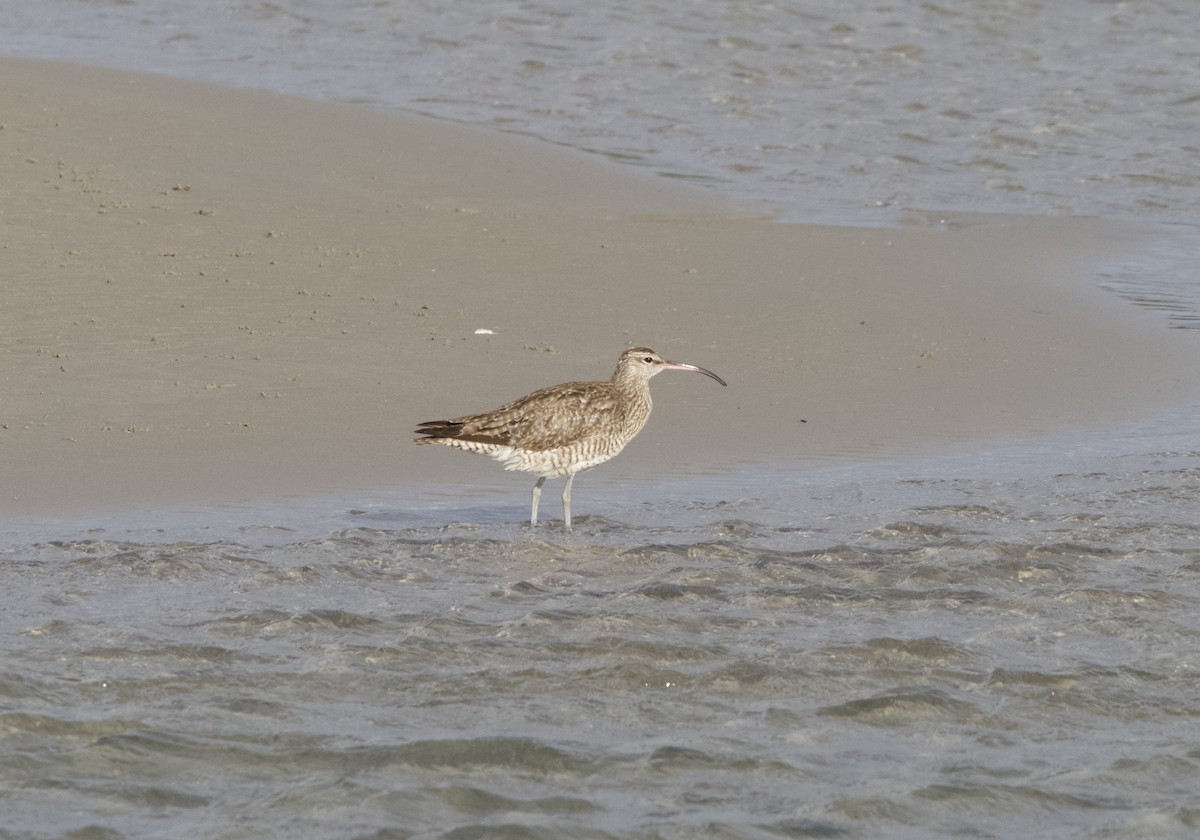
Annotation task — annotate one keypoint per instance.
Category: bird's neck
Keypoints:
(630, 383)
(635, 390)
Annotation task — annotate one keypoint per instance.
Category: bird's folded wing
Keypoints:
(547, 419)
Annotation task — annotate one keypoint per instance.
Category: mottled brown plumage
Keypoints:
(563, 429)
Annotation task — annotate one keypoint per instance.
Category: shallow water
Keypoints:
(991, 644)
(826, 108)
(996, 643)
(831, 111)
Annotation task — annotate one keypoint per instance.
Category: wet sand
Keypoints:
(213, 296)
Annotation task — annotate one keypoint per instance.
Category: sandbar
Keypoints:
(213, 296)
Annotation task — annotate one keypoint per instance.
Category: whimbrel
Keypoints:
(564, 429)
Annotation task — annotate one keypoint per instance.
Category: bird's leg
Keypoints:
(567, 501)
(537, 495)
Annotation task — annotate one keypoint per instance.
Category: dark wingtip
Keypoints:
(433, 429)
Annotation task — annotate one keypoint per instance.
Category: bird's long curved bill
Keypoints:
(682, 366)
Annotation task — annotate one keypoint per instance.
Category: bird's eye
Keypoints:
(648, 359)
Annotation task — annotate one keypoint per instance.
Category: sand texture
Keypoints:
(211, 296)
